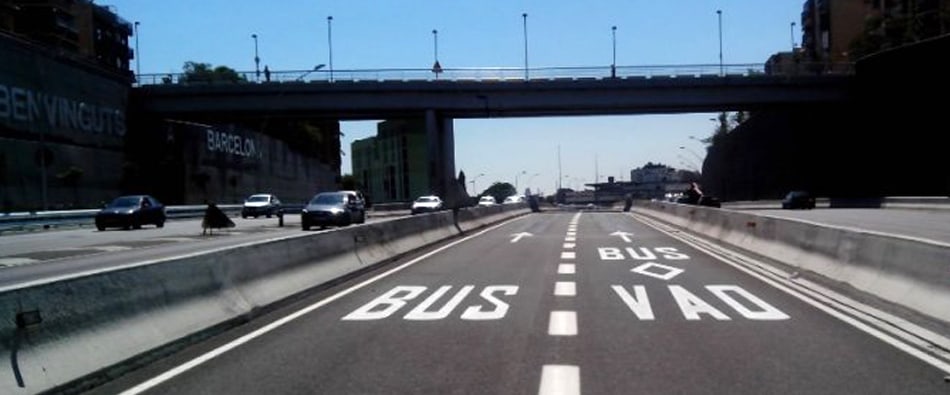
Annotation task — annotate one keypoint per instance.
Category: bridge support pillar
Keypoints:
(440, 135)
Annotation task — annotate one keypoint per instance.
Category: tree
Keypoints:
(349, 182)
(202, 72)
(499, 191)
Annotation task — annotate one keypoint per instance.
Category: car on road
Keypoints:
(486, 201)
(798, 200)
(261, 204)
(513, 199)
(709, 201)
(131, 211)
(425, 204)
(339, 208)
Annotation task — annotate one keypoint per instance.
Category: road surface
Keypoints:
(932, 225)
(554, 303)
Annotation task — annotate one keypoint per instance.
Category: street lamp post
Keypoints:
(475, 190)
(792, 35)
(700, 159)
(613, 63)
(257, 60)
(138, 54)
(516, 179)
(532, 179)
(719, 13)
(330, 44)
(524, 17)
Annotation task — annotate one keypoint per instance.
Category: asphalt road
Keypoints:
(36, 256)
(933, 225)
(556, 312)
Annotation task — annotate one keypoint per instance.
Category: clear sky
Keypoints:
(292, 35)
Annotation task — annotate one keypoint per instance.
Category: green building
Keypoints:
(392, 166)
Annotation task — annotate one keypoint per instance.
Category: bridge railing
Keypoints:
(508, 73)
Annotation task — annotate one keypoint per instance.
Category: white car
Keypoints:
(261, 204)
(426, 204)
(514, 199)
(486, 200)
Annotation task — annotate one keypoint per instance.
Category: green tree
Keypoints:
(349, 182)
(203, 72)
(499, 191)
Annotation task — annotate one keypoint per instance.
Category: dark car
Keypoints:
(710, 201)
(333, 208)
(798, 200)
(261, 204)
(131, 212)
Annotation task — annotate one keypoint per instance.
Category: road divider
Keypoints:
(910, 272)
(78, 331)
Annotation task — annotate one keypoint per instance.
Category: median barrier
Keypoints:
(910, 272)
(77, 332)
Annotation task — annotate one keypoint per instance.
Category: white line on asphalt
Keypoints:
(568, 255)
(565, 268)
(562, 323)
(111, 248)
(172, 373)
(560, 380)
(8, 262)
(570, 238)
(571, 234)
(810, 297)
(565, 288)
(568, 246)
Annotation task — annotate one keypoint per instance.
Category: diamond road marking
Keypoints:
(10, 262)
(670, 271)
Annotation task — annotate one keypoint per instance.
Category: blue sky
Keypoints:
(292, 35)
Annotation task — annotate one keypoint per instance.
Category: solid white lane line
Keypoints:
(560, 380)
(172, 373)
(570, 238)
(808, 296)
(562, 323)
(568, 246)
(568, 255)
(565, 288)
(565, 268)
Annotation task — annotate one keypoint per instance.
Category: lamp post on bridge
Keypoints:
(613, 63)
(138, 54)
(792, 35)
(330, 44)
(524, 17)
(516, 179)
(719, 14)
(257, 60)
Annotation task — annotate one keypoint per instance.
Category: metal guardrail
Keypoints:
(509, 73)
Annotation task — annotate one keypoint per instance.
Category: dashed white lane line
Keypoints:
(560, 380)
(571, 234)
(565, 268)
(568, 246)
(570, 238)
(562, 323)
(111, 248)
(16, 261)
(568, 255)
(565, 288)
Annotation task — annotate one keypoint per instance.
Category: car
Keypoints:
(339, 208)
(487, 200)
(709, 201)
(261, 204)
(513, 199)
(798, 200)
(426, 204)
(131, 211)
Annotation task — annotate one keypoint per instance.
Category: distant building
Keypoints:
(392, 166)
(71, 27)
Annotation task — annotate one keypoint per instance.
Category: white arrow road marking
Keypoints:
(518, 236)
(623, 235)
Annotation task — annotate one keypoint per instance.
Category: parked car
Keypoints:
(131, 212)
(709, 201)
(261, 204)
(798, 200)
(487, 200)
(339, 208)
(426, 204)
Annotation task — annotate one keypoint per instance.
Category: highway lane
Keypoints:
(926, 224)
(39, 256)
(606, 306)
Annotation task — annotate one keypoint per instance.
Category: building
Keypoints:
(829, 27)
(392, 166)
(74, 28)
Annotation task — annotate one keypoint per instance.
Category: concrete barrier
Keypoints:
(910, 272)
(75, 333)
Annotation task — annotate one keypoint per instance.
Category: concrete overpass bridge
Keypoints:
(487, 93)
